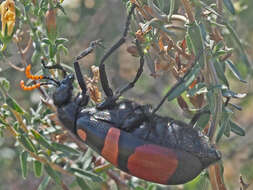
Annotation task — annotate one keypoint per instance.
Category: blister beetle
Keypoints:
(130, 136)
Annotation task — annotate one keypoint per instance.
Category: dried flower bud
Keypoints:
(92, 85)
(133, 50)
(51, 22)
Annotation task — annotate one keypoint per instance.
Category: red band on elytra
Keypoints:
(110, 150)
(153, 163)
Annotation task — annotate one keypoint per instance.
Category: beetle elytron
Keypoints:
(130, 136)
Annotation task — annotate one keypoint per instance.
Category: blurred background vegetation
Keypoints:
(85, 20)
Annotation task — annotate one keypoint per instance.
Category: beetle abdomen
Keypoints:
(136, 156)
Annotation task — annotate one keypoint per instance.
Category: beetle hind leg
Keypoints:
(138, 74)
(104, 80)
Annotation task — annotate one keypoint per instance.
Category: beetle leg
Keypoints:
(111, 99)
(132, 123)
(90, 49)
(84, 99)
(138, 74)
(138, 116)
(177, 84)
(56, 66)
(104, 81)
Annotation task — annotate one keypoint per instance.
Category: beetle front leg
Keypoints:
(79, 75)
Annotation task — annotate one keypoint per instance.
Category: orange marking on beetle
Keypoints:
(110, 150)
(153, 163)
(82, 134)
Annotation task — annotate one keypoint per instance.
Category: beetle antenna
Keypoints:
(56, 66)
(34, 86)
(38, 77)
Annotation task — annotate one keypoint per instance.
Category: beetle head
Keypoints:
(63, 93)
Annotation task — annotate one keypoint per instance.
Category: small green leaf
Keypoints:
(224, 124)
(235, 128)
(82, 184)
(221, 52)
(221, 72)
(5, 84)
(59, 41)
(220, 133)
(42, 140)
(227, 130)
(234, 70)
(14, 105)
(86, 175)
(229, 6)
(189, 43)
(184, 83)
(102, 168)
(63, 48)
(87, 159)
(203, 120)
(231, 94)
(65, 149)
(53, 174)
(27, 143)
(151, 186)
(218, 46)
(196, 40)
(43, 185)
(23, 162)
(46, 41)
(38, 168)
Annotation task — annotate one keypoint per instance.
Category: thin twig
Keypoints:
(25, 50)
(21, 69)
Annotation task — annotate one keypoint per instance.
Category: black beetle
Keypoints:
(131, 136)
